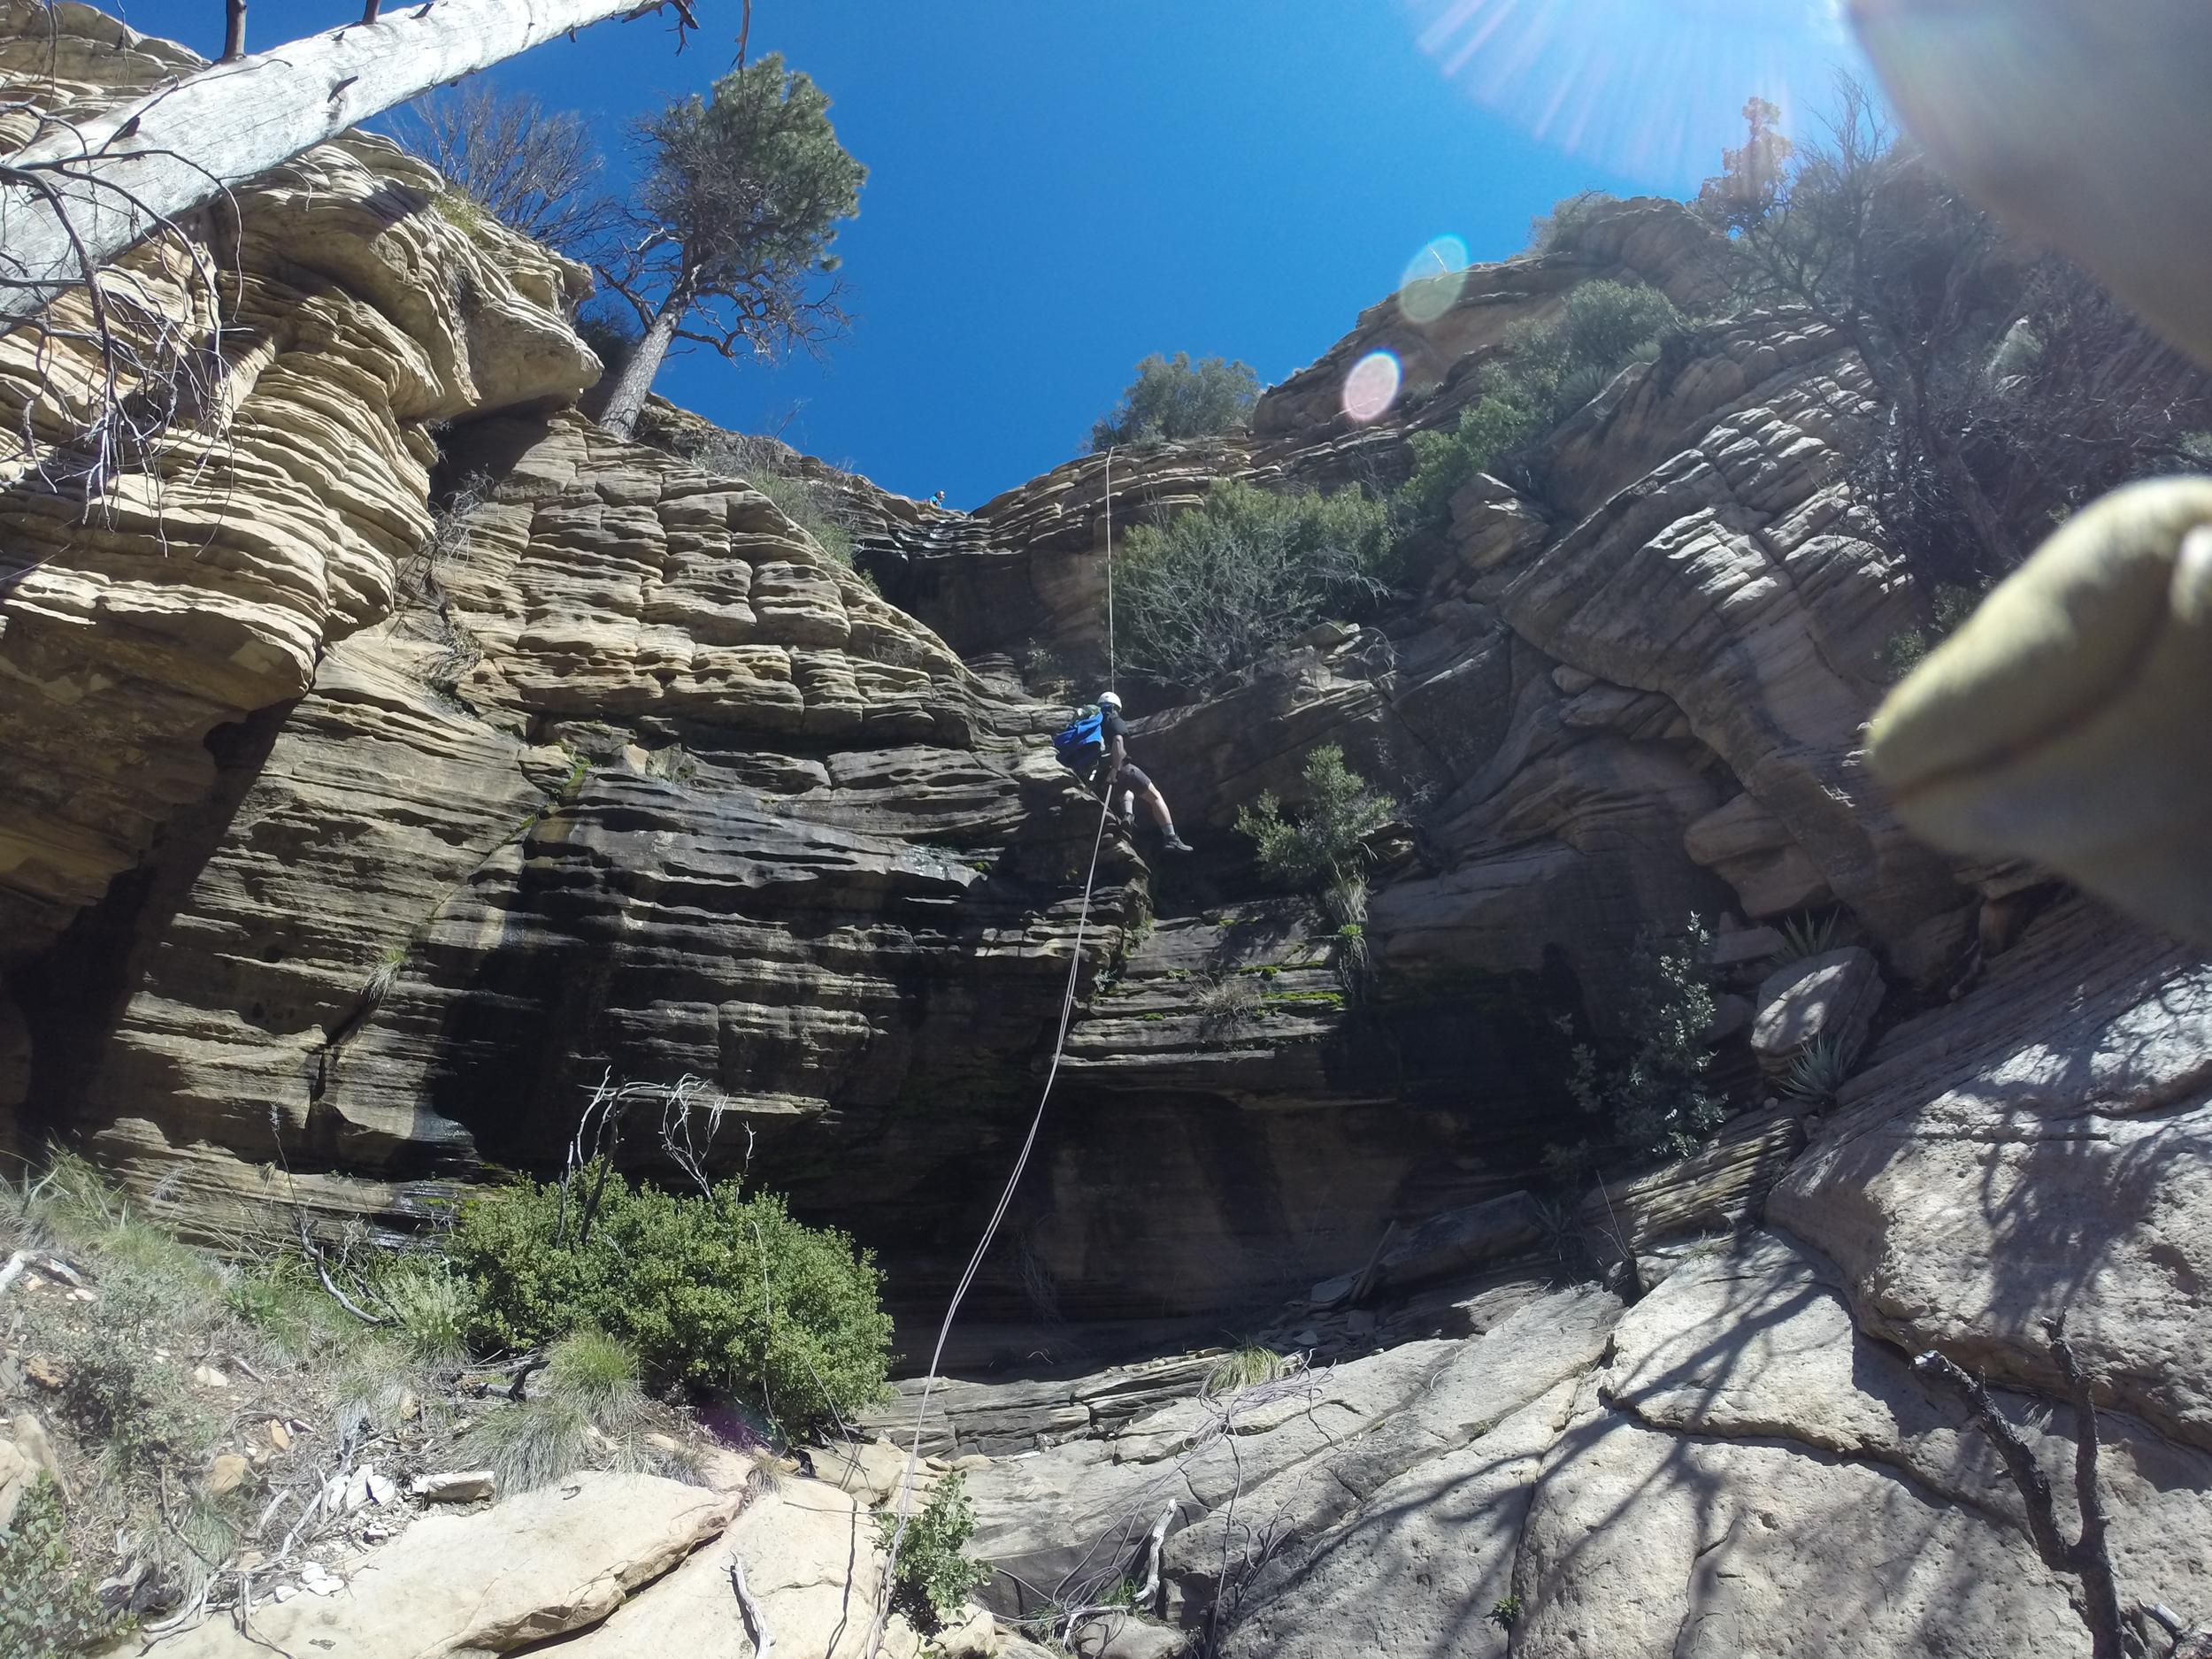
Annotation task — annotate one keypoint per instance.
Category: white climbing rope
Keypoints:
(990, 1232)
(1029, 1141)
(1112, 661)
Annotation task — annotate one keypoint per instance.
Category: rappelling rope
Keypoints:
(1029, 1141)
(1110, 662)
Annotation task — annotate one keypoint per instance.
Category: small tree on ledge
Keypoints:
(732, 226)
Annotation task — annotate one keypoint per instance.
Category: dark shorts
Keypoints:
(1132, 777)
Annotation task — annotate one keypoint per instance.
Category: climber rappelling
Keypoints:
(1103, 737)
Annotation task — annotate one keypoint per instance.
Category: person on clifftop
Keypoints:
(1125, 774)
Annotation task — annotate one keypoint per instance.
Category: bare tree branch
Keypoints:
(530, 168)
(2087, 1558)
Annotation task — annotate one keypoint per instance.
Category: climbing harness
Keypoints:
(1029, 1141)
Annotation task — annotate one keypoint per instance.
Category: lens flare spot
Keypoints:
(1371, 387)
(1433, 280)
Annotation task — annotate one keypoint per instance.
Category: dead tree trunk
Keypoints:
(81, 194)
(234, 31)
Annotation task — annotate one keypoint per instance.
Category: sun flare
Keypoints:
(1649, 88)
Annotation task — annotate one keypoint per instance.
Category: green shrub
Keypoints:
(1543, 373)
(1177, 398)
(1323, 848)
(1652, 1096)
(931, 1571)
(1242, 574)
(718, 1292)
(45, 1606)
(127, 1404)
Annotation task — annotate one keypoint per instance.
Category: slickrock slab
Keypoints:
(1418, 1569)
(1307, 1451)
(811, 1562)
(538, 1566)
(1751, 1474)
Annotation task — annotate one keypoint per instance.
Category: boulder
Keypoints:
(1309, 1449)
(872, 1471)
(1745, 944)
(552, 1561)
(1750, 1468)
(1753, 852)
(1461, 1239)
(1419, 1567)
(1829, 998)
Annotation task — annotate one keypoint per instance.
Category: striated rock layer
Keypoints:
(398, 758)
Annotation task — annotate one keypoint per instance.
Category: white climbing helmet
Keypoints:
(1110, 700)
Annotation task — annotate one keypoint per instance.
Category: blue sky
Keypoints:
(1057, 189)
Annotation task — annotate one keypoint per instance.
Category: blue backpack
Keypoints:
(1080, 744)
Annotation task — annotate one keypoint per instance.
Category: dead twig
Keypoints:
(755, 1621)
(2087, 1558)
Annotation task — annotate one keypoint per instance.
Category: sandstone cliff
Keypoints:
(401, 755)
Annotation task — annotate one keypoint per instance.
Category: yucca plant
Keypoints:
(1804, 936)
(1817, 1071)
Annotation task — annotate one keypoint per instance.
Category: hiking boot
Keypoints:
(1175, 843)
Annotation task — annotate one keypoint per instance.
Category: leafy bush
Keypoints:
(1324, 847)
(1544, 372)
(127, 1403)
(717, 1292)
(1653, 1096)
(2007, 386)
(45, 1606)
(933, 1574)
(1245, 572)
(1177, 398)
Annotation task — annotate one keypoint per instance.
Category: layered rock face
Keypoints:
(381, 794)
(141, 608)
